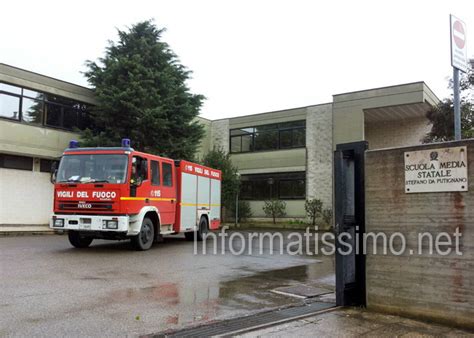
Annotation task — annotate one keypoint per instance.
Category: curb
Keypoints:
(25, 230)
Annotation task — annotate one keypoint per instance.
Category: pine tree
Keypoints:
(142, 95)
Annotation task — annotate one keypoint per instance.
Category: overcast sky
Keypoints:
(250, 56)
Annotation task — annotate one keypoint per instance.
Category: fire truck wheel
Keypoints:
(79, 241)
(203, 229)
(189, 236)
(144, 240)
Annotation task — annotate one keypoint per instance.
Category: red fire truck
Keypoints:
(119, 193)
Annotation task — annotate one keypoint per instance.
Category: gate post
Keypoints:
(349, 218)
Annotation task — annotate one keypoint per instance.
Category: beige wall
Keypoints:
(433, 287)
(270, 161)
(396, 133)
(205, 144)
(348, 109)
(28, 140)
(26, 197)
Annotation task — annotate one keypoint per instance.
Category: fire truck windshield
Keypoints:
(93, 168)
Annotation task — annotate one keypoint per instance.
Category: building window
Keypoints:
(32, 110)
(16, 162)
(46, 165)
(273, 186)
(9, 106)
(268, 137)
(34, 107)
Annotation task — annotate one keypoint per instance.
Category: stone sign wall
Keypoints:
(433, 278)
(434, 170)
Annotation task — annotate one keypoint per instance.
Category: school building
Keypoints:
(286, 154)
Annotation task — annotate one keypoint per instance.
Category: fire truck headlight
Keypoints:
(59, 222)
(111, 224)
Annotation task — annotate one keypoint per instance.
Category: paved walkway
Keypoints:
(353, 322)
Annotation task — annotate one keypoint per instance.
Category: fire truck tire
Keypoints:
(144, 240)
(203, 229)
(189, 236)
(79, 241)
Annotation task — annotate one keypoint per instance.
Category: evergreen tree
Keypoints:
(442, 115)
(142, 95)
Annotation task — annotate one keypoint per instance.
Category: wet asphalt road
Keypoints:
(49, 288)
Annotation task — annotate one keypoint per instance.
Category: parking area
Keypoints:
(50, 288)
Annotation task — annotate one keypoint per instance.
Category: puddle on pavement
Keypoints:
(254, 292)
(167, 293)
(188, 302)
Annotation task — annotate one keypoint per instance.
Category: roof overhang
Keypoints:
(397, 112)
(405, 101)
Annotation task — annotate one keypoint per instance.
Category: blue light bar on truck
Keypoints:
(73, 144)
(126, 143)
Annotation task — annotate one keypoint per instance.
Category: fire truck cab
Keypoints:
(119, 193)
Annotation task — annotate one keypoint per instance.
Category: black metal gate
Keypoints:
(349, 214)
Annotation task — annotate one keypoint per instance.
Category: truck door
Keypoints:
(168, 192)
(139, 182)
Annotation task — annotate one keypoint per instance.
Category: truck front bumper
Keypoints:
(90, 223)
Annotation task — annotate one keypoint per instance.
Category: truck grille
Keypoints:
(86, 206)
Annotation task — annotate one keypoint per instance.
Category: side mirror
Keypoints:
(54, 172)
(136, 182)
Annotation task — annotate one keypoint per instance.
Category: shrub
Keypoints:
(327, 216)
(245, 211)
(274, 208)
(313, 209)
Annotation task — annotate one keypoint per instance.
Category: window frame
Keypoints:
(49, 162)
(280, 127)
(23, 98)
(158, 165)
(274, 191)
(143, 170)
(19, 97)
(163, 163)
(30, 165)
(294, 197)
(81, 109)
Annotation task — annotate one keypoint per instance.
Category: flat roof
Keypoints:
(38, 82)
(273, 111)
(89, 92)
(42, 75)
(388, 87)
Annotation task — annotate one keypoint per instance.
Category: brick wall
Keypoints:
(433, 287)
(399, 133)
